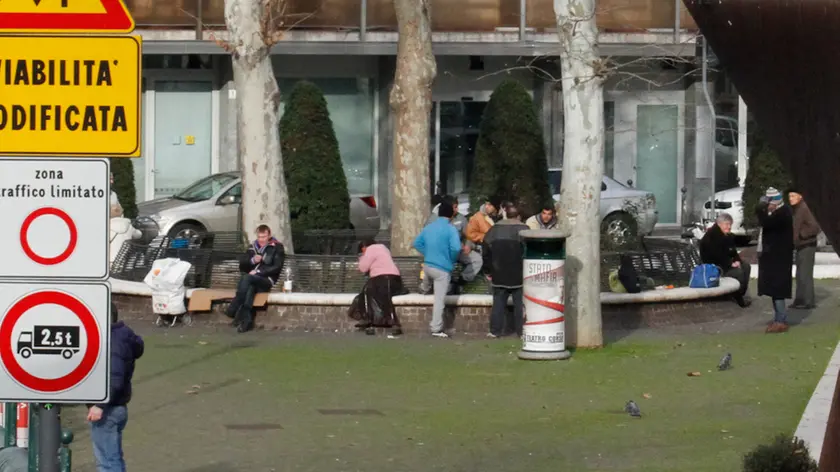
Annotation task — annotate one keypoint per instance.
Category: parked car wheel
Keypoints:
(619, 229)
(188, 231)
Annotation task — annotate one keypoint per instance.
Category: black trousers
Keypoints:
(499, 312)
(242, 306)
(742, 275)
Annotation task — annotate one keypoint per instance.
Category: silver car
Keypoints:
(212, 204)
(625, 211)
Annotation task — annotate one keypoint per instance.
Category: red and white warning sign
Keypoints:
(54, 342)
(55, 218)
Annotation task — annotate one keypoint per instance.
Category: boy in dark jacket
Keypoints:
(718, 248)
(503, 256)
(261, 266)
(108, 420)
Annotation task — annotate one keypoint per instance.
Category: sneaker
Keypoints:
(491, 335)
(440, 334)
(370, 331)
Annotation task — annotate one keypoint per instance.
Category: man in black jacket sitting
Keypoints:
(261, 266)
(718, 248)
(503, 256)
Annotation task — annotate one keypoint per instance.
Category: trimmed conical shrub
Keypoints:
(765, 170)
(318, 196)
(123, 170)
(510, 156)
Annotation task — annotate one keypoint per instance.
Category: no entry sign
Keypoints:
(55, 218)
(55, 342)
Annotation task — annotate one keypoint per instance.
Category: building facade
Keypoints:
(660, 131)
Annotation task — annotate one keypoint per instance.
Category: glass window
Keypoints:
(350, 103)
(554, 179)
(235, 192)
(205, 188)
(609, 138)
(459, 123)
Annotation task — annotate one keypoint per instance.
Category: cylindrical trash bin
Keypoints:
(543, 295)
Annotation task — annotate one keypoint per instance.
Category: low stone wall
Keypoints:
(470, 320)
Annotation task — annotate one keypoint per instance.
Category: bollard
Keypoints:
(543, 295)
(10, 414)
(66, 455)
(22, 430)
(49, 439)
(34, 465)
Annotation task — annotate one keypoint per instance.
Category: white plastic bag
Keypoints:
(166, 279)
(169, 303)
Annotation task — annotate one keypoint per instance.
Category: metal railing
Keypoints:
(10, 440)
(365, 16)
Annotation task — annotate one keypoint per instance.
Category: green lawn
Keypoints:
(467, 405)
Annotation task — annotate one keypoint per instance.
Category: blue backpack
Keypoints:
(705, 276)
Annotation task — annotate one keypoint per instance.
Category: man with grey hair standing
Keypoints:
(805, 232)
(718, 248)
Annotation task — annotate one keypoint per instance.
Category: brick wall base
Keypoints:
(415, 319)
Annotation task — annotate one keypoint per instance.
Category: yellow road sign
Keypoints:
(70, 95)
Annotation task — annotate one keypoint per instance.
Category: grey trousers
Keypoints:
(805, 276)
(438, 279)
(471, 263)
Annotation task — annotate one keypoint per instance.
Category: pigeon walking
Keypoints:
(632, 408)
(725, 362)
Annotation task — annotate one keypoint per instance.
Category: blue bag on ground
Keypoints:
(705, 276)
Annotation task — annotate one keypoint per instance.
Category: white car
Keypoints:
(729, 201)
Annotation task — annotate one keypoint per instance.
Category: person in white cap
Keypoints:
(775, 262)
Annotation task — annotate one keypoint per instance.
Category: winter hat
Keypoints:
(773, 195)
(496, 201)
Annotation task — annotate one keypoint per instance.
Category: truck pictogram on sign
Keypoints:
(55, 340)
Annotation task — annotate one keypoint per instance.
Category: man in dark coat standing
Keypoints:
(775, 262)
(718, 248)
(503, 256)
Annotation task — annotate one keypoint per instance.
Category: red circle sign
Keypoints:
(38, 384)
(24, 240)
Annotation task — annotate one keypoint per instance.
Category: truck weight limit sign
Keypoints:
(54, 342)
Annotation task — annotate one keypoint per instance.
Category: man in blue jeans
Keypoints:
(108, 420)
(440, 244)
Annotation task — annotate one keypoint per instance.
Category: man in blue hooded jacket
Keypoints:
(108, 420)
(440, 245)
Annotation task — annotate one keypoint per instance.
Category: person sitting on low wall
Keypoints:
(718, 248)
(261, 266)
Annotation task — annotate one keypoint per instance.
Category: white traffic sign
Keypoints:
(55, 218)
(55, 342)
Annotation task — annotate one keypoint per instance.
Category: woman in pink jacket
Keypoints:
(373, 307)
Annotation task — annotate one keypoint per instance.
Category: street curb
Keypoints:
(812, 426)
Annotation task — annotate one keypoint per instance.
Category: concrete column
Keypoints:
(386, 68)
(743, 158)
(228, 142)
